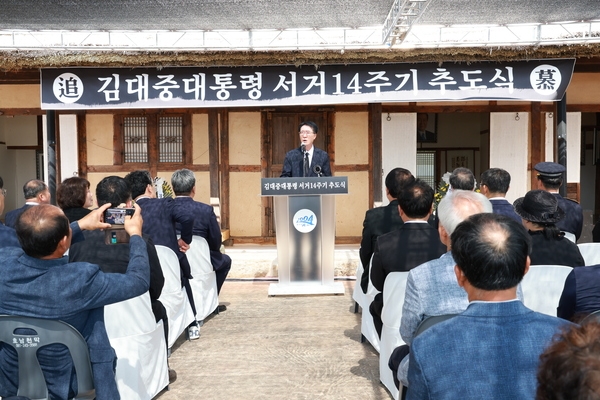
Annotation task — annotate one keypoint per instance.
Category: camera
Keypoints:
(116, 216)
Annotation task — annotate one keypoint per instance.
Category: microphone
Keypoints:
(303, 148)
(318, 170)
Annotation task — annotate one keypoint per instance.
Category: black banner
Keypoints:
(304, 186)
(185, 87)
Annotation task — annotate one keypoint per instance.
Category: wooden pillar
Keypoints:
(538, 153)
(375, 153)
(224, 167)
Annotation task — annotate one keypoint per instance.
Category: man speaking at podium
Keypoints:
(306, 160)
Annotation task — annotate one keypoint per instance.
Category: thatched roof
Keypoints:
(25, 60)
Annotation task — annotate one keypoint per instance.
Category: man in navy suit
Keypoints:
(160, 217)
(8, 236)
(492, 349)
(205, 222)
(306, 160)
(35, 192)
(494, 185)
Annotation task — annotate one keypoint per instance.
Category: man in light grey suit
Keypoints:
(491, 350)
(431, 288)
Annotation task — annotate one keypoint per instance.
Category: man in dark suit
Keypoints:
(306, 160)
(494, 185)
(160, 217)
(413, 244)
(550, 178)
(35, 192)
(381, 220)
(205, 222)
(423, 135)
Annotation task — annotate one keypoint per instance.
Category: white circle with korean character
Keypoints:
(304, 220)
(545, 79)
(67, 88)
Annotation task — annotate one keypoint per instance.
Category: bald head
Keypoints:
(36, 190)
(40, 229)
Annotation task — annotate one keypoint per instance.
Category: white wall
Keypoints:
(399, 144)
(68, 146)
(509, 144)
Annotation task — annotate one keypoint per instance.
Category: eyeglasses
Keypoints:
(306, 132)
(3, 191)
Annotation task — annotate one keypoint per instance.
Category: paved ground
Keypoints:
(302, 347)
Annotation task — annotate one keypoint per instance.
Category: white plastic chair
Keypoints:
(139, 342)
(204, 284)
(590, 253)
(173, 296)
(542, 287)
(359, 297)
(394, 289)
(367, 327)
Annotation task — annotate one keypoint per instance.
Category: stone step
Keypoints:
(260, 261)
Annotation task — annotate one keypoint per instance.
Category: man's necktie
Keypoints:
(306, 171)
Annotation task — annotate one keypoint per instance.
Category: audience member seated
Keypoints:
(413, 244)
(581, 294)
(492, 349)
(75, 198)
(540, 212)
(494, 185)
(160, 217)
(37, 281)
(569, 367)
(205, 223)
(35, 192)
(462, 179)
(97, 247)
(550, 179)
(431, 288)
(381, 220)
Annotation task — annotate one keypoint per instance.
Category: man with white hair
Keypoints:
(431, 288)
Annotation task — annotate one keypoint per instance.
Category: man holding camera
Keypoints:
(38, 281)
(110, 248)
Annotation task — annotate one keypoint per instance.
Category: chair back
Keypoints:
(590, 253)
(31, 379)
(542, 287)
(204, 284)
(431, 321)
(173, 296)
(367, 326)
(394, 289)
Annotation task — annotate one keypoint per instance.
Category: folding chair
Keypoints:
(31, 379)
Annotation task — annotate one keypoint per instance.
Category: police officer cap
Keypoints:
(549, 169)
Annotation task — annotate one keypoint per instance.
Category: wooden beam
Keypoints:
(375, 153)
(82, 145)
(213, 152)
(538, 147)
(224, 168)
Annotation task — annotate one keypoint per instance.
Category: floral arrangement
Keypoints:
(442, 190)
(163, 188)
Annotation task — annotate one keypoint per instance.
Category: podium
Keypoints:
(305, 229)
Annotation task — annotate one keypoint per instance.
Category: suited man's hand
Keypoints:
(183, 246)
(94, 220)
(133, 224)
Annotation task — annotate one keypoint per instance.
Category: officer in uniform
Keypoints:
(549, 178)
